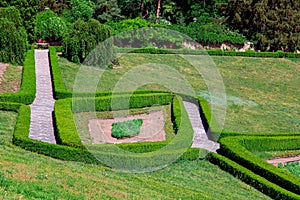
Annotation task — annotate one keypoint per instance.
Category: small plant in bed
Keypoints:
(126, 128)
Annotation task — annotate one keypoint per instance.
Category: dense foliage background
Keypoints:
(270, 25)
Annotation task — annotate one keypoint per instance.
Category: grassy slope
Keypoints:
(263, 93)
(27, 175)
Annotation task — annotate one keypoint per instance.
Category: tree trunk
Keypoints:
(158, 11)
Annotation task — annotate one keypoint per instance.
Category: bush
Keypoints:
(26, 95)
(126, 129)
(237, 149)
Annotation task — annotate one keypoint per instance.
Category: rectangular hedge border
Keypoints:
(26, 95)
(59, 88)
(249, 177)
(64, 120)
(238, 149)
(79, 154)
(218, 52)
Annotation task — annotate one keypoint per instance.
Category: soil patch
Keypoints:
(152, 129)
(284, 160)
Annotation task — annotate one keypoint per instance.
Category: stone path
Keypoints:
(41, 125)
(200, 139)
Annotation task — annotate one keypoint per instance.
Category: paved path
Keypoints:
(200, 139)
(41, 125)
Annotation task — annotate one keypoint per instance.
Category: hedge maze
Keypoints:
(235, 155)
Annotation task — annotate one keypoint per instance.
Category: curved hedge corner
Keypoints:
(239, 149)
(249, 177)
(26, 95)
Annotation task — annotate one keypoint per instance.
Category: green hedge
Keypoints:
(63, 116)
(80, 153)
(60, 91)
(126, 128)
(217, 52)
(249, 177)
(238, 149)
(26, 95)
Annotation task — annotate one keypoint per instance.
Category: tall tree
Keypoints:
(275, 25)
(106, 10)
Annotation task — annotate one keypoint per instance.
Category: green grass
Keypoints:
(7, 123)
(126, 128)
(293, 168)
(26, 175)
(11, 80)
(262, 93)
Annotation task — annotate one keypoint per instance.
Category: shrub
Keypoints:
(126, 129)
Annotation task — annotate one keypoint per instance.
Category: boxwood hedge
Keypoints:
(239, 150)
(26, 95)
(217, 52)
(260, 183)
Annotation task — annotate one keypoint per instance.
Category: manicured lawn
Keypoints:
(262, 93)
(11, 80)
(7, 123)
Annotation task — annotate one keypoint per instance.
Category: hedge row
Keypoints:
(60, 91)
(249, 177)
(63, 114)
(238, 149)
(26, 95)
(217, 52)
(90, 155)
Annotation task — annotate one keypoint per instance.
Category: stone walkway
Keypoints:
(200, 139)
(41, 125)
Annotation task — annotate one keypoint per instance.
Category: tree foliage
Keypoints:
(79, 9)
(275, 25)
(56, 6)
(13, 37)
(83, 40)
(49, 27)
(107, 10)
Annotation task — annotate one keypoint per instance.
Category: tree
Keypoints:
(106, 10)
(56, 6)
(80, 9)
(13, 37)
(49, 27)
(275, 25)
(84, 41)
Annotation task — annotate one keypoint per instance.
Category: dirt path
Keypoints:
(152, 129)
(284, 160)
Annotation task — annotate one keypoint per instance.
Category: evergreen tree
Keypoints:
(106, 10)
(275, 25)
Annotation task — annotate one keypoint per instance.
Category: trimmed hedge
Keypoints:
(127, 128)
(59, 88)
(249, 177)
(238, 149)
(63, 116)
(26, 95)
(217, 52)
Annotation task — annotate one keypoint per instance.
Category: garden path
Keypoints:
(41, 124)
(200, 139)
